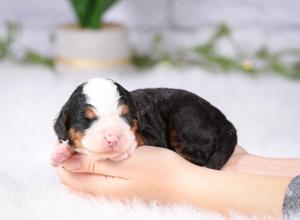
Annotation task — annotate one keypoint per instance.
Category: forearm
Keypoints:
(270, 166)
(264, 166)
(226, 191)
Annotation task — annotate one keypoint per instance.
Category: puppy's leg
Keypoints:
(191, 137)
(201, 141)
(227, 141)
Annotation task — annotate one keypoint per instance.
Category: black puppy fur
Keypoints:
(183, 122)
(169, 118)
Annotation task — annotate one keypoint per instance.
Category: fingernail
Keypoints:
(73, 164)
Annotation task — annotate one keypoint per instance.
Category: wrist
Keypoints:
(196, 186)
(224, 191)
(185, 184)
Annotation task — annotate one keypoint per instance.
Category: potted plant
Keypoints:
(91, 43)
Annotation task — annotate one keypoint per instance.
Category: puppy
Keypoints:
(105, 121)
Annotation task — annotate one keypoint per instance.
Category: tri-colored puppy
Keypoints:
(105, 121)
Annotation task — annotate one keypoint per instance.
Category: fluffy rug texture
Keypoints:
(264, 110)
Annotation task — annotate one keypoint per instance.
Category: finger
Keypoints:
(83, 164)
(143, 156)
(93, 184)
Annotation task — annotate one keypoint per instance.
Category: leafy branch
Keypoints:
(207, 56)
(29, 56)
(6, 42)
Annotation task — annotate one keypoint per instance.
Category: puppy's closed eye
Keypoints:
(126, 118)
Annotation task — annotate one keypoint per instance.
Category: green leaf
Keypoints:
(89, 13)
(263, 53)
(6, 42)
(142, 61)
(225, 63)
(80, 8)
(295, 71)
(93, 15)
(222, 31)
(205, 49)
(33, 57)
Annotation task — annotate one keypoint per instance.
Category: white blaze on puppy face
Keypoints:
(104, 97)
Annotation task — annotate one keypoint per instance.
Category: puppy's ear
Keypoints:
(126, 95)
(60, 125)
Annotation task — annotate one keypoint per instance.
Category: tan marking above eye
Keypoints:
(123, 109)
(89, 113)
(75, 137)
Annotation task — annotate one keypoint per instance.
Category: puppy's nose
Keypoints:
(111, 139)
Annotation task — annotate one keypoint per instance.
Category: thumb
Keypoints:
(83, 164)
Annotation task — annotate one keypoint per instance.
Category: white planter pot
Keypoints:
(105, 48)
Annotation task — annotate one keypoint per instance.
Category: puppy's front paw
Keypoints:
(60, 154)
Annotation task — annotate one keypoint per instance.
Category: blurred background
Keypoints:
(256, 23)
(243, 56)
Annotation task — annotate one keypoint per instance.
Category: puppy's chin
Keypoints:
(125, 155)
(110, 154)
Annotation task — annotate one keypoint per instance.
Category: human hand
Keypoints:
(243, 162)
(146, 175)
(152, 173)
